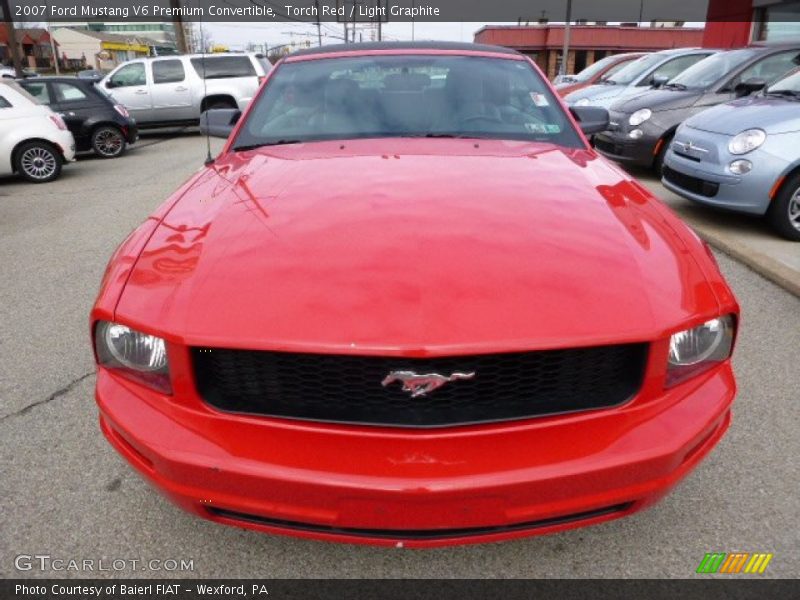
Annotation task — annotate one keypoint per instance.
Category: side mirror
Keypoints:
(659, 80)
(219, 122)
(592, 119)
(745, 88)
(110, 83)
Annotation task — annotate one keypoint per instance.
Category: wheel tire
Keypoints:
(784, 211)
(658, 162)
(38, 162)
(108, 141)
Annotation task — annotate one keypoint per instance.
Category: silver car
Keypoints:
(171, 90)
(637, 76)
(744, 156)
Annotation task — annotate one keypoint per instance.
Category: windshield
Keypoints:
(708, 71)
(788, 85)
(632, 71)
(596, 68)
(406, 96)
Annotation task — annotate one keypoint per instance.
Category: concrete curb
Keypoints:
(767, 267)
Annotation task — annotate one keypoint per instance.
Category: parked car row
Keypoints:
(44, 121)
(677, 112)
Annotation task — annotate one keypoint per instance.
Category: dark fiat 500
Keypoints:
(96, 121)
(641, 127)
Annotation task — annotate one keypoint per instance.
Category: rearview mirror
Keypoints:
(219, 122)
(745, 88)
(592, 119)
(659, 80)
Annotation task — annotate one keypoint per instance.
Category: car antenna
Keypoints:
(209, 159)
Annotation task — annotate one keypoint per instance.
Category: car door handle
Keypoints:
(141, 91)
(181, 89)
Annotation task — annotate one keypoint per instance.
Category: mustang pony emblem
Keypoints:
(419, 385)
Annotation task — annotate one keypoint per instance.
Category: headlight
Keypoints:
(582, 102)
(694, 350)
(640, 116)
(747, 141)
(137, 355)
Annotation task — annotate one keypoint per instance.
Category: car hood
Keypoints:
(598, 91)
(419, 246)
(772, 114)
(657, 100)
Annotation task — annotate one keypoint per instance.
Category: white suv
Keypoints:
(171, 90)
(34, 141)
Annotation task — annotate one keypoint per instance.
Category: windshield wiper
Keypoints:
(263, 144)
(608, 82)
(674, 86)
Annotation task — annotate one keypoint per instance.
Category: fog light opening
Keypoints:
(636, 134)
(740, 167)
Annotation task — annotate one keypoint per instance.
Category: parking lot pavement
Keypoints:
(66, 493)
(748, 239)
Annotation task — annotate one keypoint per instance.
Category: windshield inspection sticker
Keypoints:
(542, 128)
(539, 99)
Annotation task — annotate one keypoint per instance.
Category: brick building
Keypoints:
(588, 43)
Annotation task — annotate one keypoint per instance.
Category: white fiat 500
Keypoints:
(34, 141)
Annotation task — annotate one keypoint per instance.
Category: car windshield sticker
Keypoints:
(539, 99)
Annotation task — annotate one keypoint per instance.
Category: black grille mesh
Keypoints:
(691, 184)
(347, 389)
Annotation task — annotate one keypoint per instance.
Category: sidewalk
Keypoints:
(749, 240)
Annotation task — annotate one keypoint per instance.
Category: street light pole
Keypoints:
(565, 51)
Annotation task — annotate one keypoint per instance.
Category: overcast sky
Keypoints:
(237, 35)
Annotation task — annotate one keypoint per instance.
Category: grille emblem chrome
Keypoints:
(420, 385)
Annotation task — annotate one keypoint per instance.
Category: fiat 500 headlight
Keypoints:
(694, 350)
(747, 141)
(136, 355)
(640, 116)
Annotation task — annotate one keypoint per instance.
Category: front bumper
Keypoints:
(741, 193)
(618, 146)
(410, 487)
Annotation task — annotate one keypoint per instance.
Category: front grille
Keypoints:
(606, 146)
(419, 534)
(689, 183)
(347, 389)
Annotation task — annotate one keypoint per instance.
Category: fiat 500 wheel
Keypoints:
(38, 162)
(784, 212)
(108, 142)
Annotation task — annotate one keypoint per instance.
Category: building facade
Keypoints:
(736, 23)
(34, 47)
(80, 48)
(588, 43)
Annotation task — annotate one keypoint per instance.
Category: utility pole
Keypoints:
(12, 38)
(565, 51)
(319, 24)
(177, 22)
(412, 21)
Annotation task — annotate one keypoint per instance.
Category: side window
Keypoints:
(4, 103)
(768, 69)
(129, 75)
(168, 71)
(674, 67)
(221, 67)
(38, 90)
(66, 92)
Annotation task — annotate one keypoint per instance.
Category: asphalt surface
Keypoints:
(65, 493)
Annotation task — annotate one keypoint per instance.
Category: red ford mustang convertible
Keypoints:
(409, 305)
